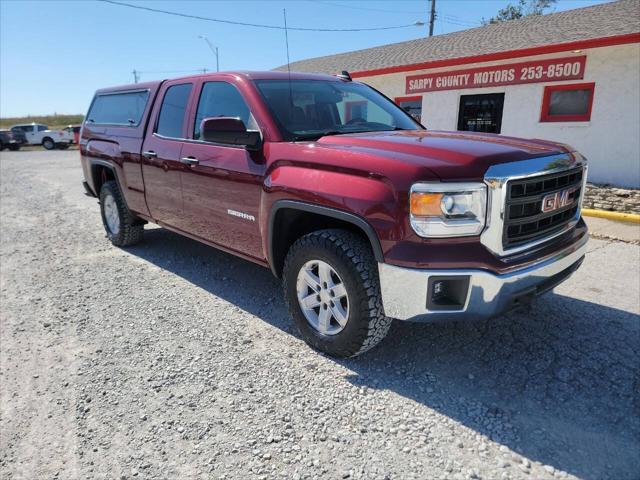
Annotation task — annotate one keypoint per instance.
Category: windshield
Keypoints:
(309, 109)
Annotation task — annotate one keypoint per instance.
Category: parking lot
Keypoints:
(174, 360)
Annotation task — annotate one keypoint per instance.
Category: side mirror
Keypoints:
(229, 131)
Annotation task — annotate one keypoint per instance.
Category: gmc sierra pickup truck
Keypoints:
(364, 214)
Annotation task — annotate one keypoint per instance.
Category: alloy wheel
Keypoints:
(322, 297)
(111, 214)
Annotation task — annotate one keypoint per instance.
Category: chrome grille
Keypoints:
(525, 221)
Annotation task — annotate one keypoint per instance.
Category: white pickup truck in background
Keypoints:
(39, 134)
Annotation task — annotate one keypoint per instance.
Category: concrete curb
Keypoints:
(617, 216)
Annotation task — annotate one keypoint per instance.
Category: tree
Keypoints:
(523, 8)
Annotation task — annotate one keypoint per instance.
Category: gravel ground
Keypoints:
(174, 360)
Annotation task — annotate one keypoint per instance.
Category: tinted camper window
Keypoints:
(124, 108)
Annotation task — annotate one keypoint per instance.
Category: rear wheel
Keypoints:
(332, 291)
(122, 227)
(48, 143)
(14, 146)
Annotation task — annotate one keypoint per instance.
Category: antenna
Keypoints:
(286, 37)
(286, 40)
(344, 76)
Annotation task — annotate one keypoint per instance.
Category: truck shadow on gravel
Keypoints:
(559, 384)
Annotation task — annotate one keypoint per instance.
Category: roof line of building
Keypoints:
(523, 52)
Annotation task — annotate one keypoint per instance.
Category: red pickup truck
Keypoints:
(364, 214)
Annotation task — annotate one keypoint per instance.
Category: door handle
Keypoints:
(189, 160)
(150, 154)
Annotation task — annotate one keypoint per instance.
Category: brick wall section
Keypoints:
(604, 197)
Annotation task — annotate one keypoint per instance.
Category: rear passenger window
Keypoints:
(221, 99)
(124, 108)
(174, 105)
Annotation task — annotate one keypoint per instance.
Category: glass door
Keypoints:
(481, 113)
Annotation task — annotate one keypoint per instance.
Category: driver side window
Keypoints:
(221, 99)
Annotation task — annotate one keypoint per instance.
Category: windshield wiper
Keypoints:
(311, 136)
(317, 135)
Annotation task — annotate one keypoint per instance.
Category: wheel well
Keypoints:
(289, 224)
(101, 174)
(46, 138)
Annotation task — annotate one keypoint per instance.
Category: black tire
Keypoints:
(14, 147)
(48, 143)
(352, 259)
(131, 228)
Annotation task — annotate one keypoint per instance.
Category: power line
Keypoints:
(455, 17)
(137, 73)
(450, 19)
(256, 25)
(459, 24)
(459, 21)
(172, 71)
(357, 7)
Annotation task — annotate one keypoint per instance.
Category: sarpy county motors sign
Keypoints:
(568, 68)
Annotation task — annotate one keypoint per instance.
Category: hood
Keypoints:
(450, 155)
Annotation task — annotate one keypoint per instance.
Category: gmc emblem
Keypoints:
(557, 200)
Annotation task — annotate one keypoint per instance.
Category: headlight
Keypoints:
(448, 209)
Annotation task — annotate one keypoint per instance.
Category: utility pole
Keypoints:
(136, 76)
(432, 17)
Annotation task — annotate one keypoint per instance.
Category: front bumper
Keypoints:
(405, 290)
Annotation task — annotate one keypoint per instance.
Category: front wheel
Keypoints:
(48, 143)
(123, 229)
(332, 290)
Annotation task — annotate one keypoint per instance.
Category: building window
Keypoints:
(355, 110)
(567, 103)
(481, 113)
(411, 105)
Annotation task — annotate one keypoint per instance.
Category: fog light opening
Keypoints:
(447, 293)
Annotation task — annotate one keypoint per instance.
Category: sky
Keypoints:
(55, 54)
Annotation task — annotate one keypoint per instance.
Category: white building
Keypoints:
(572, 77)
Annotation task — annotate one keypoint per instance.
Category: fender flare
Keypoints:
(348, 217)
(93, 162)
